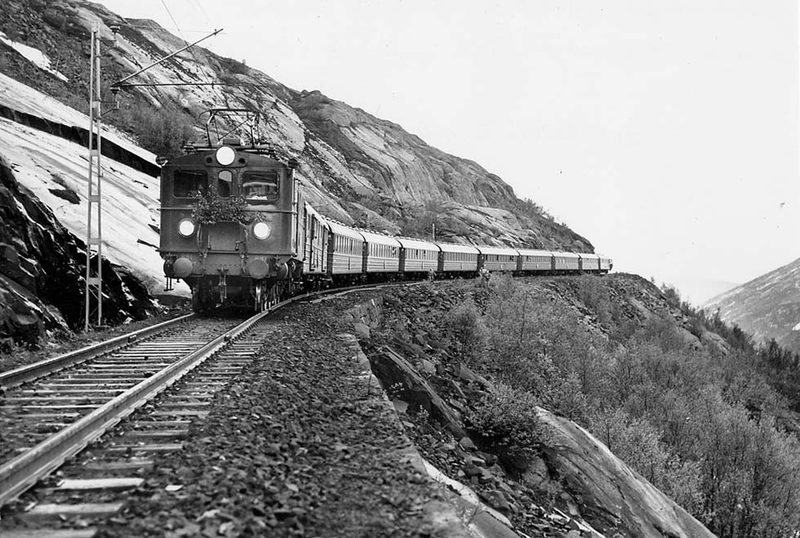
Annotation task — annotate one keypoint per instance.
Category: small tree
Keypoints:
(163, 131)
(467, 330)
(507, 424)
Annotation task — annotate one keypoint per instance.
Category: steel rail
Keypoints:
(25, 470)
(16, 377)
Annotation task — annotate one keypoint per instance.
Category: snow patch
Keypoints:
(33, 55)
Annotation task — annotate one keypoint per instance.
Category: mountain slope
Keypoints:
(356, 168)
(766, 307)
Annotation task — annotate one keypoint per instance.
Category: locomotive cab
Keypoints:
(229, 224)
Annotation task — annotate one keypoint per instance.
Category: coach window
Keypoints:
(224, 182)
(260, 186)
(189, 183)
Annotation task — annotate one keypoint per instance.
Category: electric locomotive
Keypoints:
(230, 217)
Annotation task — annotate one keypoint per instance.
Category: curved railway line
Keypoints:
(116, 405)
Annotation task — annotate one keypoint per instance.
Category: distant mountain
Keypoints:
(766, 307)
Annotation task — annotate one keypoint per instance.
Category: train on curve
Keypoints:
(236, 228)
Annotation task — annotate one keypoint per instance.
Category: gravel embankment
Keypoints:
(301, 444)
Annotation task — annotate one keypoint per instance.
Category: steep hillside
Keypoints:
(766, 307)
(687, 404)
(357, 168)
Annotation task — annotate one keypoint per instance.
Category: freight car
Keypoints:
(236, 228)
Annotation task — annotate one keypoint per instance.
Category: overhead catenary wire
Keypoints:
(180, 33)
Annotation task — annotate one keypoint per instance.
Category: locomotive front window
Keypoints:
(260, 186)
(224, 182)
(189, 183)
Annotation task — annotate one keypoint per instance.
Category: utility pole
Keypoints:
(94, 233)
(94, 179)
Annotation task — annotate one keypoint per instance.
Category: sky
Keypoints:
(664, 132)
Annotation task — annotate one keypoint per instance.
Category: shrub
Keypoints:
(506, 423)
(466, 328)
(594, 296)
(567, 398)
(55, 19)
(503, 285)
(163, 131)
(422, 221)
(233, 66)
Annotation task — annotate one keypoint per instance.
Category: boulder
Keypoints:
(361, 330)
(12, 266)
(401, 381)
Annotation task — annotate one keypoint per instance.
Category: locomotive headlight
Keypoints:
(186, 227)
(225, 155)
(261, 230)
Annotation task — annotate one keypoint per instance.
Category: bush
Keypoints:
(466, 328)
(422, 221)
(233, 66)
(503, 285)
(566, 398)
(594, 296)
(506, 424)
(163, 131)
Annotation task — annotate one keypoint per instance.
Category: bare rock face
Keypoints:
(594, 474)
(394, 173)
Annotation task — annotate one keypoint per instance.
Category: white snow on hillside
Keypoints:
(130, 198)
(35, 56)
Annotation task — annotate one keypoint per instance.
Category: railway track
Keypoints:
(141, 390)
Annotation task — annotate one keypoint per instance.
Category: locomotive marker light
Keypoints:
(225, 155)
(261, 230)
(186, 227)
